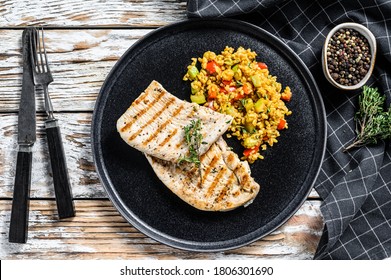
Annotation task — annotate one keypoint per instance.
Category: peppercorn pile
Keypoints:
(348, 56)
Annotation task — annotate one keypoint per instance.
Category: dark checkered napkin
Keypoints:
(356, 186)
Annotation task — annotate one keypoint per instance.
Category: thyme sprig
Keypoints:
(373, 123)
(193, 139)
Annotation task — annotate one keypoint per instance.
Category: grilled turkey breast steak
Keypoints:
(221, 183)
(155, 120)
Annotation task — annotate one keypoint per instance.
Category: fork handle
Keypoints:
(20, 202)
(62, 188)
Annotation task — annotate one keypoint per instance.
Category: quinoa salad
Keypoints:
(235, 83)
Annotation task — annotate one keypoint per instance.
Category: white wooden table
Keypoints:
(84, 40)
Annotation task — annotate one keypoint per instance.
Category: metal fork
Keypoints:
(43, 77)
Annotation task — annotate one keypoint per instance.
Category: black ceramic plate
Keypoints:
(286, 175)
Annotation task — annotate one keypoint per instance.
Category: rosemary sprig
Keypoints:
(372, 122)
(193, 138)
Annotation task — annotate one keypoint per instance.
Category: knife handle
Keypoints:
(20, 203)
(61, 183)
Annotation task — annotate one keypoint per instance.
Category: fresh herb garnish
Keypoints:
(193, 138)
(373, 123)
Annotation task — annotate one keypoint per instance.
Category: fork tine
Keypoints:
(44, 50)
(42, 63)
(37, 50)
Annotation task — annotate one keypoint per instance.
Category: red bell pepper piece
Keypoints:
(211, 67)
(247, 152)
(262, 65)
(286, 96)
(281, 124)
(247, 89)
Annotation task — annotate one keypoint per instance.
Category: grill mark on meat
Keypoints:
(245, 183)
(231, 179)
(180, 144)
(211, 165)
(142, 112)
(224, 191)
(215, 182)
(140, 99)
(244, 180)
(191, 174)
(161, 127)
(230, 158)
(192, 113)
(172, 134)
(195, 171)
(141, 129)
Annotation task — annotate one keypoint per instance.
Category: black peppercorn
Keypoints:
(348, 56)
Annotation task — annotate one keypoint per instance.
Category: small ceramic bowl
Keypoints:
(372, 44)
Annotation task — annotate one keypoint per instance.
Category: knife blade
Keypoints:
(26, 139)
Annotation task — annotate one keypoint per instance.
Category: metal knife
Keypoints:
(26, 139)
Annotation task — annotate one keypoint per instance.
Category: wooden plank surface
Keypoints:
(76, 130)
(120, 13)
(99, 232)
(79, 60)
